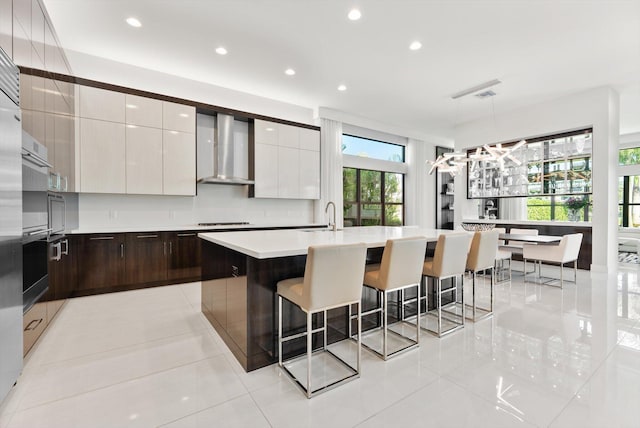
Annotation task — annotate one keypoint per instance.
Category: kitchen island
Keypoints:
(240, 271)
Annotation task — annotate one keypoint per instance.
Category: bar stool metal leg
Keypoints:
(309, 352)
(280, 331)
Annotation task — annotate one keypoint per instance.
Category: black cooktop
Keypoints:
(225, 223)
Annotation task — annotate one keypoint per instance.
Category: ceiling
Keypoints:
(540, 50)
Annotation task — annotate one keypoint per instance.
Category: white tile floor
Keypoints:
(148, 358)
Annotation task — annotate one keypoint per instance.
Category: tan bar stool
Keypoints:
(482, 257)
(399, 269)
(332, 279)
(449, 261)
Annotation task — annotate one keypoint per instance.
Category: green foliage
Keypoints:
(371, 196)
(629, 156)
(538, 209)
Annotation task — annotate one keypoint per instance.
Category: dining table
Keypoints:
(532, 239)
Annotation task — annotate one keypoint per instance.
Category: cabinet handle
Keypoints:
(146, 236)
(65, 242)
(66, 184)
(186, 234)
(170, 247)
(101, 238)
(122, 251)
(57, 252)
(37, 322)
(164, 248)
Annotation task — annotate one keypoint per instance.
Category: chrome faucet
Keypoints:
(335, 227)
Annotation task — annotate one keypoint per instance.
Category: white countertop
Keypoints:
(267, 244)
(531, 222)
(125, 229)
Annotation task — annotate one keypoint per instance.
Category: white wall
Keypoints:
(214, 203)
(104, 70)
(597, 108)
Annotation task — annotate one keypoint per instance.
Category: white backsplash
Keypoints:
(214, 203)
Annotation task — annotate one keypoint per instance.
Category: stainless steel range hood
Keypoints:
(223, 150)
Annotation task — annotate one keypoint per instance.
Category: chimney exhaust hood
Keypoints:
(223, 150)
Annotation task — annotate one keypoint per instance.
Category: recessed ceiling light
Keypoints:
(289, 72)
(221, 50)
(269, 129)
(134, 22)
(342, 88)
(414, 46)
(354, 14)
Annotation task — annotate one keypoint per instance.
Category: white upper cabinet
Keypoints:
(309, 139)
(286, 161)
(309, 174)
(144, 160)
(179, 163)
(288, 136)
(37, 29)
(288, 173)
(143, 111)
(6, 30)
(102, 104)
(102, 157)
(158, 142)
(266, 171)
(265, 132)
(178, 117)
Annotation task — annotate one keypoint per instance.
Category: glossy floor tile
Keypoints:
(548, 357)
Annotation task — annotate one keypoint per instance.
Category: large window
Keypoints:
(553, 208)
(365, 147)
(630, 156)
(372, 197)
(629, 201)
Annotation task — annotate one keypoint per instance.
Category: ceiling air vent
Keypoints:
(485, 94)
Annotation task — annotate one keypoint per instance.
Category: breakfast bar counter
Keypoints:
(240, 271)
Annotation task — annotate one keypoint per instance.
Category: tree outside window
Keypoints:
(372, 197)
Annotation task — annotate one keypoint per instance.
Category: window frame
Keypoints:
(382, 203)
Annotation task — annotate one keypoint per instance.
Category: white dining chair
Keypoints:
(502, 255)
(515, 247)
(566, 251)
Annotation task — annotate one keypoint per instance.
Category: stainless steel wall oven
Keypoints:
(35, 221)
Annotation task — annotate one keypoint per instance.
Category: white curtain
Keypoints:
(331, 172)
(418, 192)
(512, 208)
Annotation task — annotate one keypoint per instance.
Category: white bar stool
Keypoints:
(399, 269)
(449, 261)
(482, 257)
(332, 279)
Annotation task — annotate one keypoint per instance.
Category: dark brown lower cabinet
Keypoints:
(145, 258)
(126, 261)
(101, 262)
(183, 261)
(63, 272)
